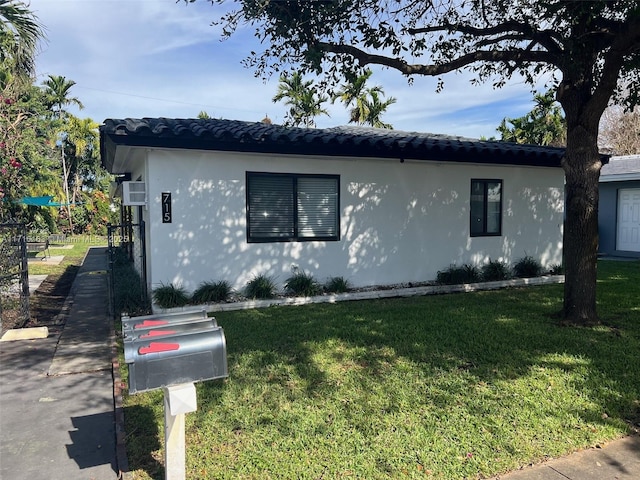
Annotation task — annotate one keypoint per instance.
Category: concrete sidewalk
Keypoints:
(615, 460)
(57, 394)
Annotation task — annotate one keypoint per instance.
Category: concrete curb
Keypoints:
(118, 386)
(369, 295)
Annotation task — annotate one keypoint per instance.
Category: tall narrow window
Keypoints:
(286, 207)
(486, 208)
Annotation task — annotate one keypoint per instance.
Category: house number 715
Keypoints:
(166, 207)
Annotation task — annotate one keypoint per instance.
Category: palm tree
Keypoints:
(57, 89)
(19, 36)
(353, 94)
(543, 125)
(375, 107)
(304, 102)
(366, 105)
(82, 140)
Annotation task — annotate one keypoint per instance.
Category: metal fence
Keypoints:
(127, 269)
(14, 275)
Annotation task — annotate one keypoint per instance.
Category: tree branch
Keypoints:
(482, 32)
(546, 38)
(625, 44)
(494, 56)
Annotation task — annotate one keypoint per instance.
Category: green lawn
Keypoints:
(452, 386)
(72, 256)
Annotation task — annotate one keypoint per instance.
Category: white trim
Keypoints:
(633, 229)
(624, 177)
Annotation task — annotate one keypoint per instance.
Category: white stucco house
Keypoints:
(228, 200)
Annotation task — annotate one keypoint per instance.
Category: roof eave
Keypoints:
(111, 142)
(623, 177)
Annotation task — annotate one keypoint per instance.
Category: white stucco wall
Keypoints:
(399, 222)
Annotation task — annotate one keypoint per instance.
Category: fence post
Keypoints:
(14, 274)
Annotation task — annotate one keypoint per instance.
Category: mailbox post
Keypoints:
(172, 352)
(178, 400)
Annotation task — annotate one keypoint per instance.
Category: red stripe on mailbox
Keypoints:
(151, 323)
(157, 347)
(158, 333)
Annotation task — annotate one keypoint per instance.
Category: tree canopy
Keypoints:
(365, 103)
(304, 102)
(58, 90)
(44, 150)
(620, 131)
(493, 38)
(20, 33)
(543, 125)
(584, 50)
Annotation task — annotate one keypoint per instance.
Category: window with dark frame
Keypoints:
(292, 207)
(486, 208)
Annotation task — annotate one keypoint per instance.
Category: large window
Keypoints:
(486, 208)
(287, 207)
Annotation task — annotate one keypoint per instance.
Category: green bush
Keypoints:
(170, 296)
(337, 285)
(128, 292)
(302, 284)
(454, 275)
(556, 269)
(495, 270)
(120, 257)
(261, 286)
(527, 267)
(208, 292)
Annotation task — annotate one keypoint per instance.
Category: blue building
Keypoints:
(619, 207)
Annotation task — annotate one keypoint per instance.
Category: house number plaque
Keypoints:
(166, 207)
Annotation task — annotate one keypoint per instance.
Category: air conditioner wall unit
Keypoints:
(134, 193)
(115, 190)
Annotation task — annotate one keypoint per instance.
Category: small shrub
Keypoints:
(302, 284)
(527, 267)
(128, 293)
(337, 285)
(208, 292)
(495, 270)
(454, 275)
(556, 269)
(120, 257)
(169, 296)
(261, 286)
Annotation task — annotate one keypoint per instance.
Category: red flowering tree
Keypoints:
(25, 154)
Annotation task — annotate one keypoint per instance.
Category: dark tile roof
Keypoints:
(349, 141)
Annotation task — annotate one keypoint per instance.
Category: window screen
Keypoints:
(292, 207)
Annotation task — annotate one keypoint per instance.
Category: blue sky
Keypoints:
(159, 58)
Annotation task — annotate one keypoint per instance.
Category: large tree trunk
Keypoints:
(582, 166)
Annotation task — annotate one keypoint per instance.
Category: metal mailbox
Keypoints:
(161, 320)
(133, 338)
(155, 329)
(173, 351)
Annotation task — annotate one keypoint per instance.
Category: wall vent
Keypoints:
(134, 193)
